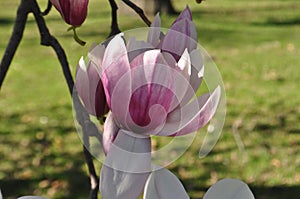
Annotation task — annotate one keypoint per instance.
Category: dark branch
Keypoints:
(138, 10)
(14, 40)
(114, 20)
(49, 6)
(83, 118)
(31, 6)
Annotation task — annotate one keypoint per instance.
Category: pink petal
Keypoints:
(65, 10)
(110, 132)
(193, 116)
(183, 34)
(185, 14)
(115, 64)
(154, 31)
(126, 167)
(207, 111)
(152, 85)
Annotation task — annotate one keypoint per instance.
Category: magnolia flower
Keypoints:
(150, 88)
(162, 184)
(73, 12)
(90, 89)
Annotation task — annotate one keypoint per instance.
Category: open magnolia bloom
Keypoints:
(162, 184)
(150, 88)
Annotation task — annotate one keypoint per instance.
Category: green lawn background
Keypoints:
(255, 44)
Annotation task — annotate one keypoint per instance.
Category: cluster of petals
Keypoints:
(150, 87)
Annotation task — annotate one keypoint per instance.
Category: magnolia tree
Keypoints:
(136, 85)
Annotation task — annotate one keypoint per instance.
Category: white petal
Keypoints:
(126, 167)
(162, 184)
(121, 185)
(0, 194)
(115, 50)
(229, 189)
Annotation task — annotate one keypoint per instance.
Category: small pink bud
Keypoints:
(73, 12)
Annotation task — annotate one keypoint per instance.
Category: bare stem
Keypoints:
(114, 18)
(48, 9)
(138, 10)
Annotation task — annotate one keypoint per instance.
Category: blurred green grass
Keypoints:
(256, 46)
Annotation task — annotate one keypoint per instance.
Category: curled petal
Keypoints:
(193, 116)
(229, 189)
(162, 184)
(126, 167)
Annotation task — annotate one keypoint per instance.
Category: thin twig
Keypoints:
(138, 10)
(14, 40)
(114, 20)
(48, 9)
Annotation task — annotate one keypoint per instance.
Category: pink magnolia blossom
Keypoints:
(73, 12)
(150, 88)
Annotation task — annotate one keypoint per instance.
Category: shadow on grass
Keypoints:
(41, 159)
(5, 21)
(279, 22)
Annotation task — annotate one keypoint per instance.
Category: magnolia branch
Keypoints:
(138, 10)
(31, 6)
